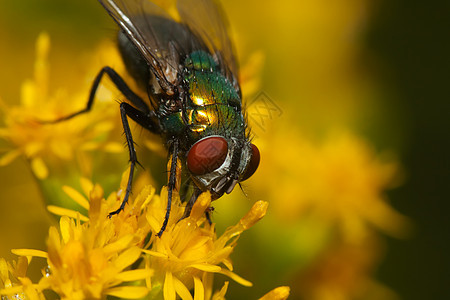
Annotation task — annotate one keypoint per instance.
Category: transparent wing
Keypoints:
(206, 19)
(159, 39)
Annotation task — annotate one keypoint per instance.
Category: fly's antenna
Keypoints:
(242, 189)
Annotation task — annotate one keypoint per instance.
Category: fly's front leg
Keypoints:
(170, 185)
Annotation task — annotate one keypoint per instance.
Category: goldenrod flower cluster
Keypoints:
(91, 255)
(327, 190)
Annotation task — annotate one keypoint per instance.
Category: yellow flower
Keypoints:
(340, 182)
(14, 284)
(85, 263)
(132, 220)
(88, 257)
(189, 252)
(47, 144)
(91, 256)
(344, 272)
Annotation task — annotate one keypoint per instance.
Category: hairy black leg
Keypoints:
(141, 115)
(170, 185)
(121, 86)
(126, 110)
(146, 120)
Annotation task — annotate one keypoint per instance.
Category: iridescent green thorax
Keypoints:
(213, 106)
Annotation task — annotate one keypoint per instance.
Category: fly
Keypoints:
(194, 102)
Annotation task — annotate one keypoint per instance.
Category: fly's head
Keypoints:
(217, 163)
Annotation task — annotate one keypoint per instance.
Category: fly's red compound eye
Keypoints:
(253, 164)
(207, 155)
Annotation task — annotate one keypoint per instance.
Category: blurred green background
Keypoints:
(400, 47)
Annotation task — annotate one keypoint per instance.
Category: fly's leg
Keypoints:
(121, 86)
(170, 185)
(208, 212)
(141, 115)
(127, 110)
(190, 204)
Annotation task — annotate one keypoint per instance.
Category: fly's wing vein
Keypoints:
(156, 35)
(206, 19)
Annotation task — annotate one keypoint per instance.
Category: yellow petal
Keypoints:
(124, 179)
(119, 245)
(199, 290)
(149, 192)
(148, 280)
(134, 275)
(39, 168)
(223, 254)
(154, 253)
(169, 288)
(3, 268)
(11, 290)
(128, 292)
(60, 211)
(86, 185)
(227, 262)
(42, 49)
(9, 157)
(30, 290)
(53, 240)
(208, 279)
(64, 226)
(221, 294)
(113, 147)
(201, 204)
(128, 257)
(33, 148)
(206, 267)
(279, 293)
(27, 93)
(236, 277)
(76, 196)
(255, 214)
(22, 266)
(29, 252)
(95, 203)
(181, 289)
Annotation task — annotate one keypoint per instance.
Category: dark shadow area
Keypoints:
(412, 37)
